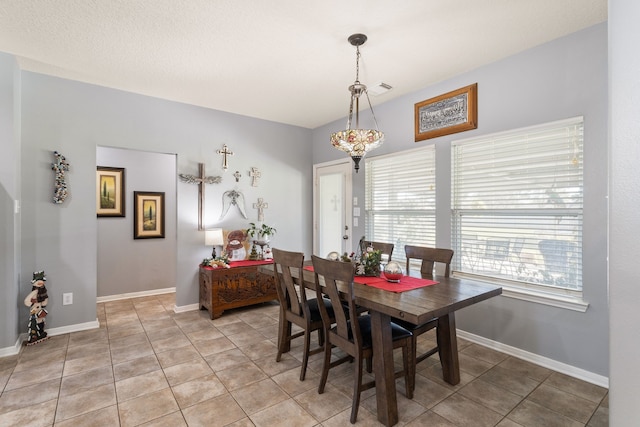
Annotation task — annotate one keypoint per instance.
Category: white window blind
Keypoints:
(400, 199)
(517, 206)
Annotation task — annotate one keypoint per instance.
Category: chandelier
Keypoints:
(357, 142)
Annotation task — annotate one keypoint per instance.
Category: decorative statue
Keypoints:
(37, 300)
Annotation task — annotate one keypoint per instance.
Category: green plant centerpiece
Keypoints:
(260, 235)
(369, 263)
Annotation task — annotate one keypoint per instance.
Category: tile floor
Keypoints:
(148, 366)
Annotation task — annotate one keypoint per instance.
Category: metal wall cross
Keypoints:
(224, 152)
(201, 180)
(261, 206)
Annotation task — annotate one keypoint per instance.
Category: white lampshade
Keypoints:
(213, 237)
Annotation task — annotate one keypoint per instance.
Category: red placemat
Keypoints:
(407, 283)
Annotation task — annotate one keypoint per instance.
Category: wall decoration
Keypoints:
(148, 215)
(224, 152)
(233, 198)
(236, 244)
(110, 191)
(261, 206)
(237, 175)
(37, 301)
(453, 112)
(60, 167)
(201, 180)
(255, 174)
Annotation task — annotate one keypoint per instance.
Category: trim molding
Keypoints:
(135, 294)
(10, 351)
(185, 308)
(72, 328)
(545, 362)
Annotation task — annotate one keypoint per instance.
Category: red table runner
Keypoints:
(407, 283)
(243, 263)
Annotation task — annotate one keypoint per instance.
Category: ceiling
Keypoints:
(282, 60)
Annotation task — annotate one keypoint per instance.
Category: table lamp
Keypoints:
(213, 237)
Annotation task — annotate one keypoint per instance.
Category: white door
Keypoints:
(332, 208)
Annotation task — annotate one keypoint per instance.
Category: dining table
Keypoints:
(440, 300)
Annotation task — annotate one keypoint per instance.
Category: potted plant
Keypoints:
(261, 233)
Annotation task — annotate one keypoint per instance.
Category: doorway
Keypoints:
(332, 203)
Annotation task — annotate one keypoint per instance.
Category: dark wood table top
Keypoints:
(417, 305)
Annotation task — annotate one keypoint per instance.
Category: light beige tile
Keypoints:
(127, 340)
(226, 359)
(26, 396)
(564, 403)
(41, 414)
(159, 334)
(530, 414)
(86, 380)
(290, 382)
(217, 345)
(90, 336)
(105, 417)
(88, 363)
(430, 419)
(260, 349)
(510, 380)
(177, 356)
(175, 419)
(209, 333)
(491, 396)
(129, 352)
(577, 387)
(147, 408)
(326, 405)
(184, 372)
(40, 360)
(219, 411)
(600, 418)
(70, 406)
(527, 369)
(462, 411)
(241, 376)
(198, 390)
(483, 353)
(429, 393)
(287, 412)
(271, 367)
(133, 367)
(258, 396)
(29, 377)
(140, 385)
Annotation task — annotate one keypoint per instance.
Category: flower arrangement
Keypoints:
(369, 263)
(262, 232)
(214, 263)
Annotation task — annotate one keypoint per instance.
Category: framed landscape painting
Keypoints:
(148, 215)
(110, 192)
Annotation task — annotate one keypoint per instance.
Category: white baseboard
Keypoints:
(73, 328)
(185, 308)
(10, 351)
(135, 294)
(545, 362)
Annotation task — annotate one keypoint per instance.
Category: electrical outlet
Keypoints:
(67, 299)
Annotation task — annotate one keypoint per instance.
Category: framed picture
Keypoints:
(110, 192)
(148, 215)
(452, 112)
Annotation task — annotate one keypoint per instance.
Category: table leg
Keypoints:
(448, 347)
(384, 370)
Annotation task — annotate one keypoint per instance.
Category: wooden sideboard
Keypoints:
(225, 288)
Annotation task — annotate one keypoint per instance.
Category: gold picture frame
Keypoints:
(452, 112)
(148, 215)
(110, 189)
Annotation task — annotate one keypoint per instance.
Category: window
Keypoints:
(400, 199)
(517, 207)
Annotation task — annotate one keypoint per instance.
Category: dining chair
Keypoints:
(296, 308)
(384, 248)
(352, 333)
(430, 258)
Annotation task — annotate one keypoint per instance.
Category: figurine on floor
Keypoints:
(37, 300)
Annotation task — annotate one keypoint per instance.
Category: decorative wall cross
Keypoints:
(201, 180)
(255, 174)
(237, 176)
(224, 152)
(60, 167)
(261, 206)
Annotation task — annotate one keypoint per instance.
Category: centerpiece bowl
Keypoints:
(393, 272)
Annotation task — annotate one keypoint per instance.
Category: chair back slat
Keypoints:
(286, 263)
(429, 257)
(328, 273)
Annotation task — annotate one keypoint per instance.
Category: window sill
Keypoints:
(567, 302)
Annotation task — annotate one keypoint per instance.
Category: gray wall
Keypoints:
(564, 78)
(9, 189)
(75, 118)
(126, 265)
(624, 291)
